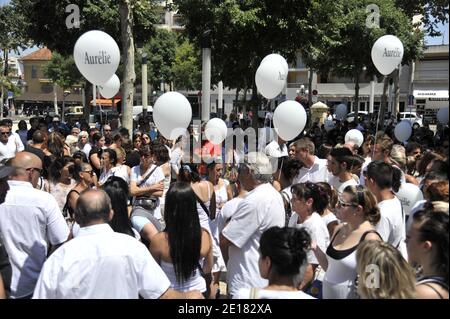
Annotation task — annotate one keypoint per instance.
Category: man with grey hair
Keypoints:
(100, 263)
(314, 169)
(261, 209)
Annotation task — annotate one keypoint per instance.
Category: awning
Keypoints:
(105, 102)
(426, 94)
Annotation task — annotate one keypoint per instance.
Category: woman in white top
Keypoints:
(215, 173)
(206, 201)
(184, 249)
(282, 261)
(357, 209)
(162, 160)
(108, 160)
(121, 170)
(308, 199)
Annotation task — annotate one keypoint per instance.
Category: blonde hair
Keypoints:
(395, 276)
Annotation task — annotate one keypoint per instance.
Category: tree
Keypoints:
(243, 33)
(433, 12)
(62, 71)
(186, 68)
(46, 25)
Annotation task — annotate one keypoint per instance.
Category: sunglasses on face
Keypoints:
(89, 172)
(5, 133)
(39, 170)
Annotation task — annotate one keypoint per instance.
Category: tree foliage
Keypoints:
(186, 69)
(62, 71)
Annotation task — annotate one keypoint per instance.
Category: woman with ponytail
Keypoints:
(307, 200)
(427, 244)
(384, 180)
(283, 259)
(357, 210)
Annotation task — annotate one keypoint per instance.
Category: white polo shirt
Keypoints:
(101, 264)
(29, 219)
(316, 173)
(260, 210)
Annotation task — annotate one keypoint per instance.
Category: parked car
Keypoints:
(138, 111)
(105, 115)
(74, 113)
(361, 115)
(413, 117)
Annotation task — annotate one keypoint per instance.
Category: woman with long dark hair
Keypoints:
(184, 249)
(60, 179)
(117, 190)
(427, 243)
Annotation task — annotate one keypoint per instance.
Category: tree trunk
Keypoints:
(356, 108)
(87, 94)
(236, 109)
(55, 97)
(310, 79)
(396, 108)
(254, 107)
(1, 102)
(244, 101)
(5, 59)
(383, 105)
(126, 19)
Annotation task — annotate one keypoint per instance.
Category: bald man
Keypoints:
(30, 219)
(100, 263)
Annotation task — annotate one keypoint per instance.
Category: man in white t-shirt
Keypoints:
(340, 165)
(30, 221)
(102, 264)
(10, 144)
(314, 169)
(276, 148)
(382, 179)
(261, 209)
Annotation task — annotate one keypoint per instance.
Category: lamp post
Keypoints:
(206, 74)
(144, 85)
(65, 94)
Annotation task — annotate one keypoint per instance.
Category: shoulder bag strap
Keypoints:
(146, 177)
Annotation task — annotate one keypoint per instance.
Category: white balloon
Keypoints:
(341, 111)
(403, 130)
(442, 115)
(409, 194)
(276, 57)
(289, 120)
(110, 88)
(172, 114)
(328, 125)
(216, 131)
(387, 54)
(270, 79)
(97, 56)
(354, 136)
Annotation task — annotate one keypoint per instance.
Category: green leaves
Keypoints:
(62, 71)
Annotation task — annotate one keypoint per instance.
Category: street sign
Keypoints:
(314, 98)
(10, 95)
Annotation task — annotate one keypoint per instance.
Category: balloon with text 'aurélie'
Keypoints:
(387, 54)
(270, 78)
(172, 114)
(403, 130)
(289, 120)
(354, 136)
(276, 58)
(110, 88)
(96, 56)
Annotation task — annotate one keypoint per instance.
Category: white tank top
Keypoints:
(196, 282)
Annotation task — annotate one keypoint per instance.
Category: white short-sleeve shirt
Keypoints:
(318, 172)
(29, 219)
(260, 210)
(156, 177)
(101, 264)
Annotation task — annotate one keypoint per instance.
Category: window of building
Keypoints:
(34, 72)
(162, 18)
(47, 88)
(402, 106)
(177, 20)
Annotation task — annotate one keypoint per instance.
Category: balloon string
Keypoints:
(378, 121)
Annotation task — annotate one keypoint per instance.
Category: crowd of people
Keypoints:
(101, 212)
